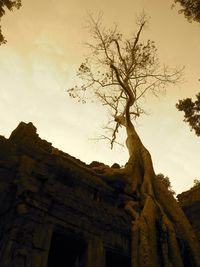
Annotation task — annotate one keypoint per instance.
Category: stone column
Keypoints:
(42, 241)
(26, 245)
(96, 253)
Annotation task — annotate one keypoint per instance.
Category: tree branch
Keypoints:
(120, 55)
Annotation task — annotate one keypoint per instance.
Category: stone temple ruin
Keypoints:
(56, 211)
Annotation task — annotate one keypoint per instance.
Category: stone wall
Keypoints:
(190, 203)
(50, 201)
(46, 194)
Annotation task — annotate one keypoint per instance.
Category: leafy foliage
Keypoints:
(190, 8)
(9, 4)
(191, 111)
(196, 183)
(166, 182)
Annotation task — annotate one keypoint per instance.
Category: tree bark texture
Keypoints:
(161, 234)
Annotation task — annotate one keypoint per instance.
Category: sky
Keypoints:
(39, 62)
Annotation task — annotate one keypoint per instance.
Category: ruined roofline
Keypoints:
(26, 141)
(25, 129)
(26, 134)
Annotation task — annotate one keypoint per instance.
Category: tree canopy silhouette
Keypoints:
(191, 111)
(190, 9)
(120, 72)
(9, 4)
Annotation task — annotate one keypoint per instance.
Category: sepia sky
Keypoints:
(39, 63)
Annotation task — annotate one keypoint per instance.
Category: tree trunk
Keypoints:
(161, 234)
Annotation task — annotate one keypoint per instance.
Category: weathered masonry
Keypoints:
(190, 203)
(56, 211)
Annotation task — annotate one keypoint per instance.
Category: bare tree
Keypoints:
(120, 72)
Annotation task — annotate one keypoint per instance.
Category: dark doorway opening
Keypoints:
(114, 259)
(67, 251)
